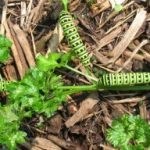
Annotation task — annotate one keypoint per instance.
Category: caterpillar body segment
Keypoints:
(124, 79)
(73, 37)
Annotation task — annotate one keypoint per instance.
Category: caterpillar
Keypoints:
(124, 79)
(73, 37)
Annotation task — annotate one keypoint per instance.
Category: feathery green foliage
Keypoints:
(5, 44)
(52, 61)
(129, 133)
(38, 91)
(9, 128)
(41, 91)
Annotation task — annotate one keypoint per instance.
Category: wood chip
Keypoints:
(62, 143)
(54, 124)
(56, 38)
(3, 19)
(10, 72)
(128, 53)
(85, 108)
(129, 100)
(35, 15)
(23, 12)
(100, 57)
(18, 46)
(21, 36)
(143, 110)
(129, 35)
(15, 53)
(144, 42)
(42, 143)
(40, 44)
(109, 37)
(103, 59)
(36, 148)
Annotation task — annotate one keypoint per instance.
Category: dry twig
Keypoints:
(129, 35)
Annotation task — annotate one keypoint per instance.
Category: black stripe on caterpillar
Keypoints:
(124, 79)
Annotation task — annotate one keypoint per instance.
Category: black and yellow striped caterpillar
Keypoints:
(73, 37)
(124, 79)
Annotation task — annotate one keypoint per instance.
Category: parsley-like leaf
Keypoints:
(37, 92)
(129, 133)
(53, 61)
(5, 44)
(9, 128)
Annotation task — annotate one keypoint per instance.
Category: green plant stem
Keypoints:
(85, 75)
(65, 2)
(76, 89)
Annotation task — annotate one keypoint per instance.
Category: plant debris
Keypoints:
(117, 40)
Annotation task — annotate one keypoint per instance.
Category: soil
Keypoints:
(116, 42)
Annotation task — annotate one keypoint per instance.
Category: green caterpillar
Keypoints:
(73, 37)
(124, 79)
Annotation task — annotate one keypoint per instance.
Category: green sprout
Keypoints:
(118, 7)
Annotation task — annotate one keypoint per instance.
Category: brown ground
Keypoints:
(116, 42)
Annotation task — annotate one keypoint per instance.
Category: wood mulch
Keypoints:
(116, 41)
